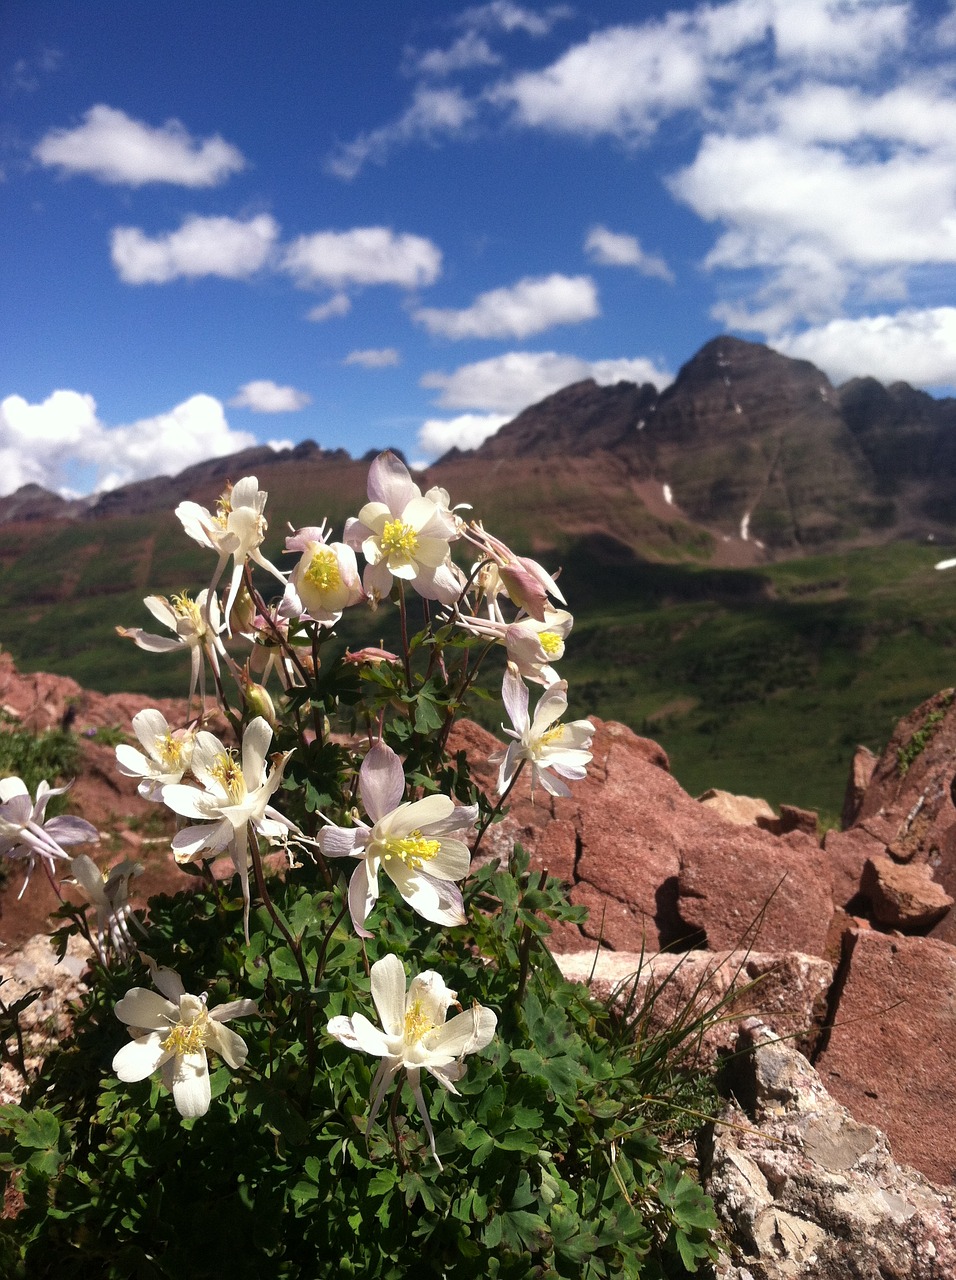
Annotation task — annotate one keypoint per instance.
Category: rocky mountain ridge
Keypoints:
(746, 444)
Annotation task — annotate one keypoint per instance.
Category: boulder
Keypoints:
(892, 1044)
(903, 895)
(803, 1189)
(745, 811)
(716, 991)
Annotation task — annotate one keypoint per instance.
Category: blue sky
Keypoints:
(373, 223)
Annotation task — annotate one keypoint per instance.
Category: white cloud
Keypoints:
(337, 305)
(363, 256)
(506, 16)
(469, 50)
(509, 383)
(433, 113)
(225, 247)
(830, 34)
(530, 306)
(915, 346)
(48, 443)
(373, 358)
(262, 395)
(615, 249)
(114, 148)
(467, 431)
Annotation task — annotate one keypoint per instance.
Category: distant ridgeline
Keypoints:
(746, 445)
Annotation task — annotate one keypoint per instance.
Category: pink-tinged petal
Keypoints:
(415, 1084)
(355, 533)
(388, 993)
(149, 643)
(514, 695)
(442, 584)
(381, 781)
(363, 894)
(10, 788)
(389, 482)
(230, 1046)
(140, 1058)
(67, 830)
(187, 1078)
(377, 581)
(524, 589)
(461, 819)
(509, 766)
(308, 538)
(551, 707)
(256, 740)
(447, 1074)
(387, 1070)
(542, 778)
(342, 842)
(141, 1007)
(439, 901)
(206, 841)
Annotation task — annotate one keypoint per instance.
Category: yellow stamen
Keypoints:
(185, 1038)
(323, 571)
(550, 642)
(417, 1022)
(228, 773)
(414, 850)
(551, 735)
(170, 751)
(399, 539)
(224, 508)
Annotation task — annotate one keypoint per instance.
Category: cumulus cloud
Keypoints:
(509, 383)
(469, 50)
(467, 431)
(505, 16)
(114, 148)
(916, 346)
(362, 256)
(337, 305)
(530, 306)
(262, 395)
(433, 113)
(615, 249)
(49, 443)
(373, 358)
(226, 247)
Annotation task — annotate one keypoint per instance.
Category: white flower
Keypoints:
(563, 749)
(532, 646)
(197, 626)
(326, 578)
(237, 529)
(404, 535)
(414, 1034)
(109, 894)
(410, 842)
(525, 582)
(235, 796)
(166, 758)
(26, 835)
(171, 1034)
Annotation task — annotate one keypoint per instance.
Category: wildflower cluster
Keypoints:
(320, 784)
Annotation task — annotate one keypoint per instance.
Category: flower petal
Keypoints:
(256, 741)
(140, 1058)
(230, 1046)
(381, 781)
(465, 1033)
(388, 992)
(187, 1076)
(390, 482)
(141, 1007)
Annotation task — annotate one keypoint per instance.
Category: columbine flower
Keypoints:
(109, 894)
(171, 1034)
(409, 842)
(197, 626)
(235, 796)
(563, 749)
(326, 578)
(414, 1034)
(166, 758)
(237, 529)
(525, 582)
(26, 835)
(403, 535)
(532, 646)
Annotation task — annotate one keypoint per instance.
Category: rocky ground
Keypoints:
(844, 946)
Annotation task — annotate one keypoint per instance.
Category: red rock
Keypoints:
(861, 773)
(904, 896)
(847, 853)
(744, 811)
(741, 887)
(890, 1053)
